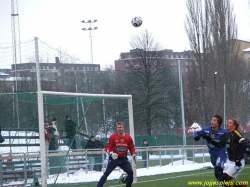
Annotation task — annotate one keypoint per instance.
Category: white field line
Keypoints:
(174, 177)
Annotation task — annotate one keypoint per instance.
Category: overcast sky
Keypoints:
(58, 24)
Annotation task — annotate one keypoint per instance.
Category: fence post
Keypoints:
(203, 150)
(103, 157)
(1, 171)
(25, 169)
(86, 161)
(147, 158)
(172, 157)
(183, 162)
(160, 156)
(193, 155)
(68, 166)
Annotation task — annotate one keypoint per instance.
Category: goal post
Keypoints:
(41, 94)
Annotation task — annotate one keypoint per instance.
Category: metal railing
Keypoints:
(27, 165)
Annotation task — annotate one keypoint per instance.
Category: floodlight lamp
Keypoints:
(215, 73)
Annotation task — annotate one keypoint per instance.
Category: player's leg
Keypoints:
(226, 180)
(218, 168)
(112, 164)
(126, 166)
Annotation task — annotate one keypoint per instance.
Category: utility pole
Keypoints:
(15, 36)
(16, 47)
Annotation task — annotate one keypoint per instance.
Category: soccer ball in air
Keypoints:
(136, 21)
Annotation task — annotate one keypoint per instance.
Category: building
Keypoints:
(167, 58)
(244, 50)
(26, 72)
(26, 69)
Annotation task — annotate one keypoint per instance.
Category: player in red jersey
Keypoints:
(117, 147)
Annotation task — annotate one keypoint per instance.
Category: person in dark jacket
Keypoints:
(236, 147)
(98, 158)
(145, 154)
(70, 129)
(91, 144)
(52, 145)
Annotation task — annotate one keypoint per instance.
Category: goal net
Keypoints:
(76, 159)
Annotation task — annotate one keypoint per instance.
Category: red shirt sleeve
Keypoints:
(109, 145)
(131, 146)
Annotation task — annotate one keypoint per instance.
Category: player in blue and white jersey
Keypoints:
(218, 156)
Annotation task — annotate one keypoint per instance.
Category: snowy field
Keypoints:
(93, 176)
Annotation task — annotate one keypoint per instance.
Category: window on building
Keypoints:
(181, 56)
(171, 63)
(172, 56)
(33, 67)
(166, 56)
(83, 68)
(176, 56)
(54, 67)
(248, 56)
(127, 64)
(71, 68)
(175, 62)
(186, 63)
(96, 68)
(87, 68)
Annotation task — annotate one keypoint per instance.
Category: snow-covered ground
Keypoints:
(92, 176)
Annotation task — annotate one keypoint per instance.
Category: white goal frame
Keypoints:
(87, 95)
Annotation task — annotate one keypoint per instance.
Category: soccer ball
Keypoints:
(136, 21)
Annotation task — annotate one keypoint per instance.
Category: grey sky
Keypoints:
(58, 24)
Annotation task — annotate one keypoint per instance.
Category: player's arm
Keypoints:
(198, 134)
(132, 149)
(215, 143)
(243, 143)
(109, 148)
(109, 145)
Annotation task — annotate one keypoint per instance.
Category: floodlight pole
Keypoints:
(182, 103)
(41, 118)
(90, 35)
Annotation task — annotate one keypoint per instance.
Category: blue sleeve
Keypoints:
(199, 133)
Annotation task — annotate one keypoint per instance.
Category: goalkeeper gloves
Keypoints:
(113, 155)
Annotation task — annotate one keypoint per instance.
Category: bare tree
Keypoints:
(152, 85)
(212, 30)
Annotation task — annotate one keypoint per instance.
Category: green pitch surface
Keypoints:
(181, 179)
